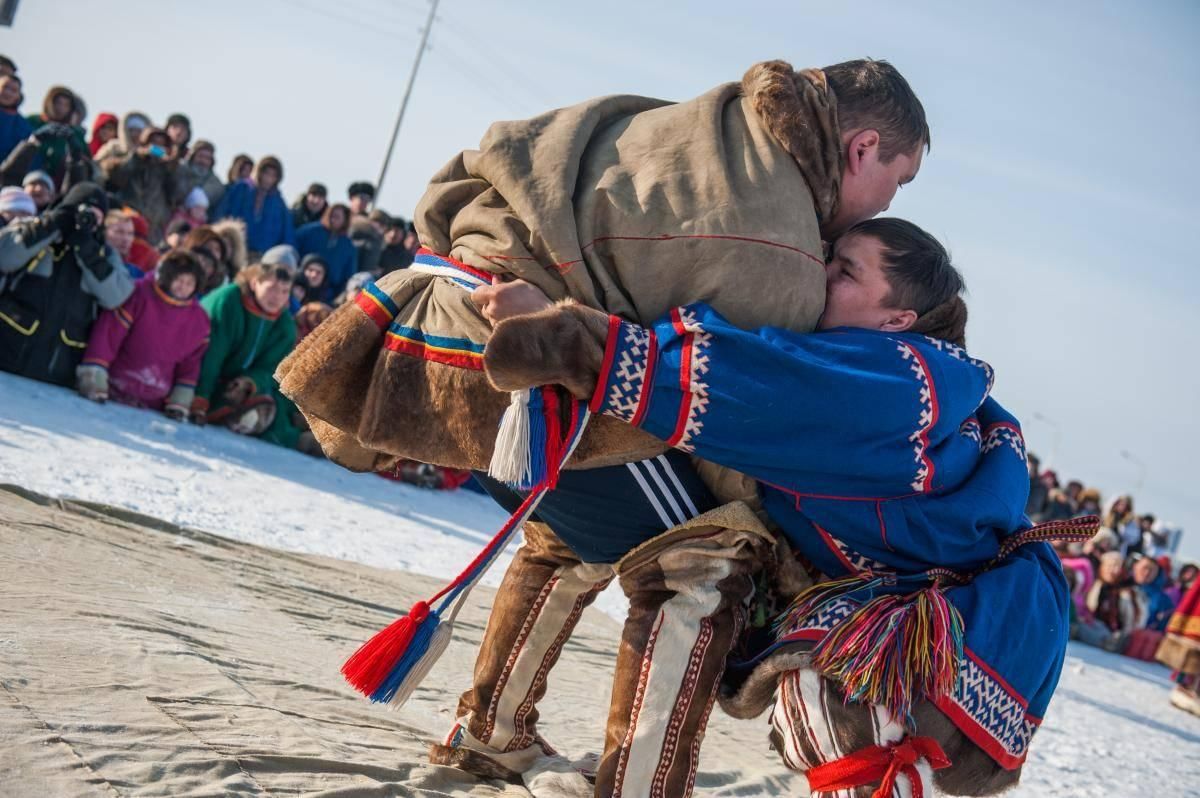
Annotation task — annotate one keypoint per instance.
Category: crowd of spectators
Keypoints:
(1125, 582)
(132, 272)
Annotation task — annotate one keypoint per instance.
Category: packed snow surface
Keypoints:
(1110, 731)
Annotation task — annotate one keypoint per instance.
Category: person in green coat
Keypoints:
(251, 332)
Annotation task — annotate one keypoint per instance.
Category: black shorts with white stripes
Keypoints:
(603, 513)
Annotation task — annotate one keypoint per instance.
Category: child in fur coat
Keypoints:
(147, 352)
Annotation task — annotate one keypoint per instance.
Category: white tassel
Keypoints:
(510, 457)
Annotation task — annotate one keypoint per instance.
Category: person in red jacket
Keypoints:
(147, 352)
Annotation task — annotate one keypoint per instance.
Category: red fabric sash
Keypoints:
(882, 763)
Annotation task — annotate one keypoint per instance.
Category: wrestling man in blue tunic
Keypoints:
(885, 464)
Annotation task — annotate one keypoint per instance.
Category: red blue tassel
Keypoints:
(389, 667)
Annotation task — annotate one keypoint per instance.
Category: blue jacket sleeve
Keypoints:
(845, 413)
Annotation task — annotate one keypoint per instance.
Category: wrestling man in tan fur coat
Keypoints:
(632, 206)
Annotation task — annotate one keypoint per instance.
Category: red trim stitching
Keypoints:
(610, 353)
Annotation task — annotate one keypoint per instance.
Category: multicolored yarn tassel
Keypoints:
(893, 649)
(390, 666)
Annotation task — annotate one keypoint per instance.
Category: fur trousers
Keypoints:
(687, 591)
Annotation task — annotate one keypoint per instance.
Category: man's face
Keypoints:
(119, 235)
(267, 179)
(272, 291)
(61, 107)
(360, 204)
(42, 194)
(10, 92)
(314, 202)
(869, 184)
(856, 287)
(179, 133)
(393, 236)
(202, 159)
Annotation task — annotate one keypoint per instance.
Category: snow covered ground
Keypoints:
(1109, 732)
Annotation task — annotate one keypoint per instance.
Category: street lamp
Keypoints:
(1042, 417)
(1141, 480)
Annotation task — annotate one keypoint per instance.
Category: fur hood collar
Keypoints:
(800, 111)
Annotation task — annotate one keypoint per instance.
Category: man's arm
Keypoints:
(834, 413)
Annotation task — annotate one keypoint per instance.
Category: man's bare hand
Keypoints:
(505, 300)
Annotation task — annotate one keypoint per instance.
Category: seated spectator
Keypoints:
(119, 234)
(211, 251)
(396, 253)
(366, 233)
(309, 316)
(233, 233)
(193, 212)
(310, 206)
(59, 273)
(147, 179)
(240, 170)
(354, 286)
(251, 332)
(40, 186)
(314, 270)
(328, 239)
(361, 194)
(147, 352)
(1119, 517)
(1151, 583)
(104, 130)
(126, 142)
(142, 253)
(1089, 502)
(259, 204)
(59, 106)
(1057, 506)
(15, 203)
(179, 131)
(197, 172)
(1115, 606)
(14, 128)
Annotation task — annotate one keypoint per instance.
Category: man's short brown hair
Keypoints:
(873, 95)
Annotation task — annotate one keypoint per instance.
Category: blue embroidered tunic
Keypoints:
(876, 451)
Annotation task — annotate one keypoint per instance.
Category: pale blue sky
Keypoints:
(1064, 174)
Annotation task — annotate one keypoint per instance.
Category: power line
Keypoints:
(412, 78)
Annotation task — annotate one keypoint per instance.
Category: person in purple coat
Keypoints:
(147, 352)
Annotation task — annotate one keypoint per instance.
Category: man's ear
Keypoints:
(899, 321)
(861, 149)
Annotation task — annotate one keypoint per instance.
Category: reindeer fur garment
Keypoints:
(625, 204)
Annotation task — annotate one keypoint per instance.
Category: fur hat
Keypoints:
(175, 263)
(361, 187)
(233, 233)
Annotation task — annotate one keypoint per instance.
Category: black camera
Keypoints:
(85, 218)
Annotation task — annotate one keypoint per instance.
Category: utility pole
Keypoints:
(412, 78)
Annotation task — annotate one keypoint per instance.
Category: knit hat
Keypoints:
(361, 187)
(16, 200)
(281, 255)
(196, 198)
(38, 176)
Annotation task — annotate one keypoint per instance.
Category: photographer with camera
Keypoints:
(148, 179)
(56, 273)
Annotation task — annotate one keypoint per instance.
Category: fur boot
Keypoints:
(541, 598)
(687, 593)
